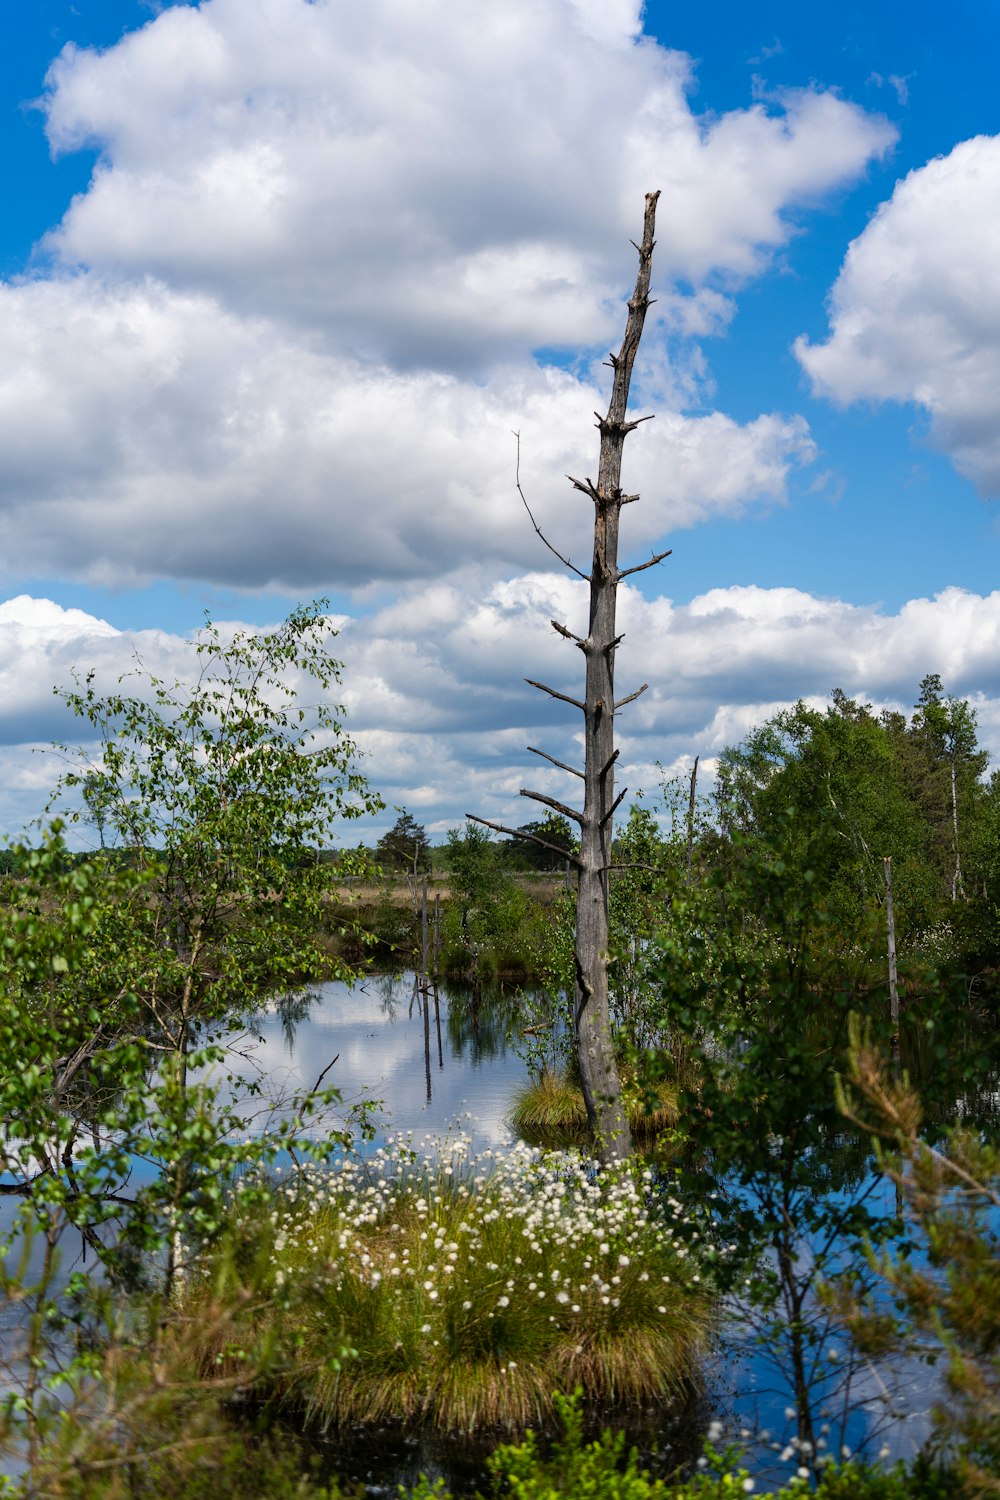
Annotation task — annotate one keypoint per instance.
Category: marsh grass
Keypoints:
(462, 1292)
(550, 1110)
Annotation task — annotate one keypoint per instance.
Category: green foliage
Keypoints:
(945, 1292)
(765, 1023)
(405, 846)
(605, 1469)
(119, 977)
(866, 786)
(144, 1415)
(551, 854)
(492, 924)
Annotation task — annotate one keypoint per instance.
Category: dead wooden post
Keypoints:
(437, 930)
(890, 928)
(427, 1038)
(423, 929)
(956, 879)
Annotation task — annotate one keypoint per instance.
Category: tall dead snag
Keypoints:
(598, 1068)
(592, 1015)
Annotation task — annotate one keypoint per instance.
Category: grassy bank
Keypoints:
(504, 933)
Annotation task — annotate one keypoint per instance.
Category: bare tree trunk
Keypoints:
(424, 964)
(692, 794)
(592, 1013)
(890, 932)
(598, 1069)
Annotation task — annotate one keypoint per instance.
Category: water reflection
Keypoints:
(431, 1055)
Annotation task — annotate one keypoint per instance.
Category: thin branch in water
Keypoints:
(315, 1088)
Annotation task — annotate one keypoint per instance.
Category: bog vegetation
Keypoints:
(785, 991)
(239, 1273)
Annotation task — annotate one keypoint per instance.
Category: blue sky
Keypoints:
(279, 279)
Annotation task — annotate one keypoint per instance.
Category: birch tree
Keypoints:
(591, 1011)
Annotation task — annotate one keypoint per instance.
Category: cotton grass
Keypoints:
(467, 1289)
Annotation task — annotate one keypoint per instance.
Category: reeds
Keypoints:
(464, 1291)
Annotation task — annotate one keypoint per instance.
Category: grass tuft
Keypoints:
(462, 1291)
(550, 1110)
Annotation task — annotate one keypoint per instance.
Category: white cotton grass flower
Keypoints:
(518, 1231)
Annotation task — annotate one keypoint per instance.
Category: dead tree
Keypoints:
(592, 1015)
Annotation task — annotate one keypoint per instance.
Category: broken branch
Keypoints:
(563, 631)
(641, 567)
(631, 697)
(522, 833)
(563, 698)
(560, 763)
(614, 806)
(559, 807)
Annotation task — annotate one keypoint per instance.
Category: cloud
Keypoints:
(915, 311)
(435, 697)
(428, 186)
(321, 270)
(146, 432)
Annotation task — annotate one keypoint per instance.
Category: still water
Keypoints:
(430, 1063)
(451, 1059)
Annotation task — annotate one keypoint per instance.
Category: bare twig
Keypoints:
(631, 697)
(559, 807)
(563, 698)
(554, 550)
(641, 567)
(563, 631)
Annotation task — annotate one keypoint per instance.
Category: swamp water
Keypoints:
(448, 1062)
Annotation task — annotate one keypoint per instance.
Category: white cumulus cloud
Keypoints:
(915, 311)
(431, 184)
(146, 432)
(283, 337)
(435, 694)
